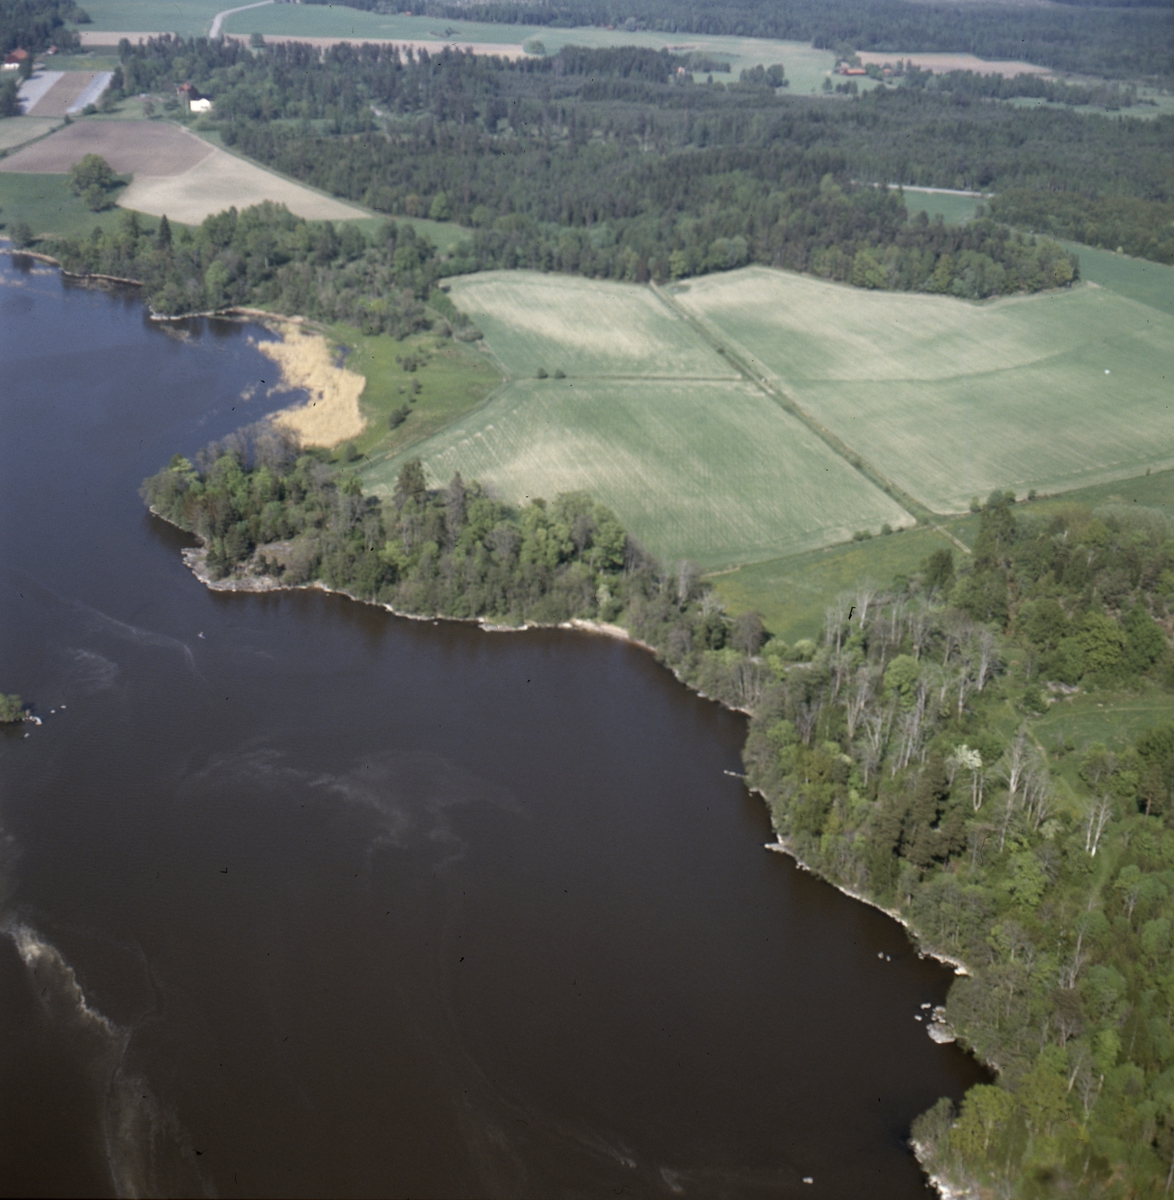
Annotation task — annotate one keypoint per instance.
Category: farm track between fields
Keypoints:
(737, 358)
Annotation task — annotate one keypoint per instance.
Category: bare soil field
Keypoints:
(218, 181)
(59, 99)
(939, 63)
(130, 147)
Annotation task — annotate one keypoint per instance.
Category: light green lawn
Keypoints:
(715, 472)
(950, 399)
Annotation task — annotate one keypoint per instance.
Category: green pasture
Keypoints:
(1146, 282)
(792, 594)
(1115, 718)
(951, 399)
(15, 131)
(47, 205)
(453, 378)
(711, 471)
(954, 210)
(191, 18)
(584, 328)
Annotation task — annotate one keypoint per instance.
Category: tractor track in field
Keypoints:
(738, 360)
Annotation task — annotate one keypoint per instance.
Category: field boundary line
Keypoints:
(738, 359)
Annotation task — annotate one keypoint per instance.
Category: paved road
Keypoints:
(218, 19)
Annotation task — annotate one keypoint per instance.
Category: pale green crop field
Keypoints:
(583, 327)
(712, 471)
(188, 17)
(950, 399)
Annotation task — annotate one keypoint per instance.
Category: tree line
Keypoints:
(268, 258)
(1113, 38)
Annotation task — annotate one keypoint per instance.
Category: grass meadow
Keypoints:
(954, 210)
(1148, 283)
(585, 328)
(192, 18)
(792, 594)
(46, 204)
(712, 471)
(950, 399)
(453, 378)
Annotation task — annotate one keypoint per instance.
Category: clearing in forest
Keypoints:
(950, 399)
(713, 471)
(585, 328)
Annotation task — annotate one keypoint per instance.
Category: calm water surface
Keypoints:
(303, 899)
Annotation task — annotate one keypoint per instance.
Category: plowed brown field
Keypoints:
(130, 147)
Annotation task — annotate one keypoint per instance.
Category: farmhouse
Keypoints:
(200, 106)
(845, 69)
(13, 60)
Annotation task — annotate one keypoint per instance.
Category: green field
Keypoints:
(715, 471)
(453, 379)
(47, 205)
(192, 18)
(950, 399)
(954, 210)
(586, 329)
(1146, 282)
(792, 594)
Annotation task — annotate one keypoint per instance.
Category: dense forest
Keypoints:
(617, 154)
(1108, 37)
(898, 757)
(266, 257)
(902, 764)
(35, 25)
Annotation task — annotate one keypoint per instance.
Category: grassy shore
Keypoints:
(453, 379)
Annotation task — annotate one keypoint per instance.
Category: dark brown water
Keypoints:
(303, 899)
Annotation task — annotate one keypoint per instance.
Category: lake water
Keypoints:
(304, 899)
